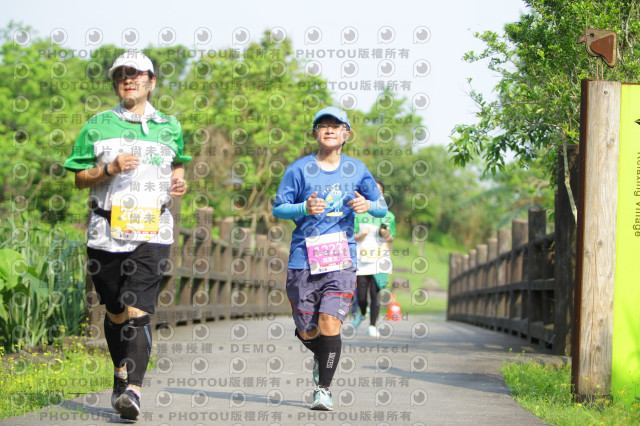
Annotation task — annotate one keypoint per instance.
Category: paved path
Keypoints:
(254, 372)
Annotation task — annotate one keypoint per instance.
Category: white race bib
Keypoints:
(328, 253)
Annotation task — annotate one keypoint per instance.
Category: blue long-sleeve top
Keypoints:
(337, 188)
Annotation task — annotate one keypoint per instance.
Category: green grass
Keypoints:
(406, 284)
(411, 306)
(545, 390)
(34, 379)
(436, 274)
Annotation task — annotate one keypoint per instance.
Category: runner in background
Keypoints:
(321, 193)
(131, 158)
(373, 236)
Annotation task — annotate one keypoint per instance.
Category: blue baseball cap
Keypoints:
(332, 111)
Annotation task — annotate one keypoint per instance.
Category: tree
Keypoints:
(541, 65)
(44, 109)
(248, 115)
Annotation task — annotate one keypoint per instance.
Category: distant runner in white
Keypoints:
(373, 236)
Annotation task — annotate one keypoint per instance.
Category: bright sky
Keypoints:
(415, 46)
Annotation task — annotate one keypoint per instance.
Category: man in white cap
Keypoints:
(131, 157)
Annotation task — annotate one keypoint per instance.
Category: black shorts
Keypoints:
(128, 279)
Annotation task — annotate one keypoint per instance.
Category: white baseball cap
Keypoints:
(132, 59)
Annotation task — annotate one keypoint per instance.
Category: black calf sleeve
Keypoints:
(311, 344)
(137, 338)
(115, 342)
(329, 348)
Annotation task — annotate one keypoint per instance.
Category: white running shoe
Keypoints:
(373, 331)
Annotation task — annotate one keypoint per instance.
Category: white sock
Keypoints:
(134, 390)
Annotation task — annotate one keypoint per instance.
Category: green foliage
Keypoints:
(41, 283)
(545, 390)
(248, 116)
(453, 206)
(245, 117)
(541, 66)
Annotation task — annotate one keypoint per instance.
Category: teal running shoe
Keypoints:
(322, 399)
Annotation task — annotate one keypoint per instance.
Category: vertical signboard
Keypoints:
(625, 368)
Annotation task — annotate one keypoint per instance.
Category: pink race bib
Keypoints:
(328, 253)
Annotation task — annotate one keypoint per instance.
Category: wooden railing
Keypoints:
(507, 284)
(522, 281)
(238, 275)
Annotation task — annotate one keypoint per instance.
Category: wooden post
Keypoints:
(227, 256)
(535, 268)
(519, 237)
(454, 286)
(473, 282)
(465, 287)
(201, 267)
(504, 245)
(565, 265)
(596, 239)
(503, 272)
(492, 244)
(482, 278)
(482, 259)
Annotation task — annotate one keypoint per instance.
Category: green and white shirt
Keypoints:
(374, 255)
(101, 140)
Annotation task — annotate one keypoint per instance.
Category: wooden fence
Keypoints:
(522, 281)
(239, 275)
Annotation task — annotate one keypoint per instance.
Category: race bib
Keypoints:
(328, 253)
(133, 221)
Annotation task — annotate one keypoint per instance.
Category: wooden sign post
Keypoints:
(606, 285)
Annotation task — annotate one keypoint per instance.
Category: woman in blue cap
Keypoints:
(321, 193)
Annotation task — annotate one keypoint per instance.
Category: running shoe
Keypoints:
(119, 386)
(373, 331)
(322, 399)
(128, 405)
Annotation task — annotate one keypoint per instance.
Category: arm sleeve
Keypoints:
(378, 208)
(289, 211)
(369, 189)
